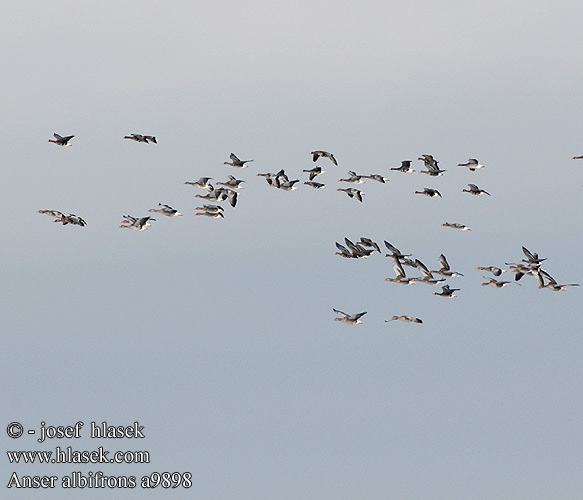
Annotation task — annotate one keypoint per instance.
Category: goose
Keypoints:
(166, 210)
(406, 319)
(446, 291)
(495, 283)
(456, 225)
(496, 271)
(323, 154)
(400, 276)
(475, 190)
(351, 319)
(531, 258)
(427, 276)
(64, 218)
(395, 252)
(315, 185)
(214, 215)
(578, 157)
(210, 208)
(472, 164)
(358, 250)
(431, 164)
(314, 172)
(444, 268)
(353, 193)
(232, 182)
(288, 185)
(429, 192)
(344, 252)
(551, 283)
(235, 162)
(376, 177)
(367, 242)
(142, 138)
(353, 178)
(203, 182)
(405, 167)
(136, 224)
(60, 140)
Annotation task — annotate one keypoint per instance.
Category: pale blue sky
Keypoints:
(217, 335)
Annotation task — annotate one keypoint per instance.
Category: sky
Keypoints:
(217, 335)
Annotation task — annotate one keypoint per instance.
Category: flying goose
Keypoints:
(367, 242)
(166, 210)
(446, 291)
(142, 138)
(551, 283)
(496, 271)
(323, 154)
(456, 225)
(314, 172)
(352, 193)
(431, 164)
(406, 319)
(475, 190)
(427, 276)
(64, 218)
(315, 185)
(351, 319)
(203, 182)
(429, 192)
(60, 140)
(136, 224)
(472, 164)
(353, 177)
(376, 177)
(495, 283)
(444, 269)
(400, 276)
(232, 182)
(405, 167)
(235, 162)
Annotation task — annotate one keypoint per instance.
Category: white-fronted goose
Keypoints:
(60, 140)
(448, 292)
(456, 225)
(235, 162)
(405, 319)
(545, 280)
(315, 185)
(352, 193)
(203, 182)
(166, 210)
(136, 224)
(475, 190)
(351, 319)
(444, 269)
(353, 178)
(232, 182)
(323, 154)
(64, 218)
(472, 164)
(314, 172)
(429, 192)
(405, 167)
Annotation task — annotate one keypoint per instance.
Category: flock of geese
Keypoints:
(531, 265)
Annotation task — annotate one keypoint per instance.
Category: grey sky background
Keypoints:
(217, 335)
